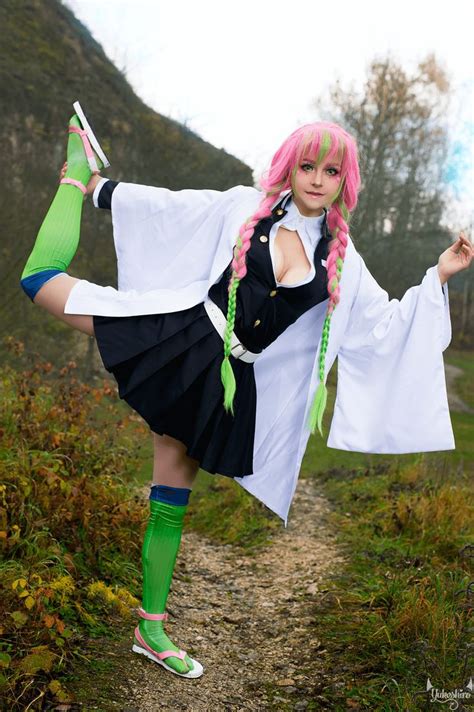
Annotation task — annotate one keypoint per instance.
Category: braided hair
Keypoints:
(322, 140)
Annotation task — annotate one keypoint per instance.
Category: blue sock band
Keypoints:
(32, 284)
(170, 495)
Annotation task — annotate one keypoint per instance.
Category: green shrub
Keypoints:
(71, 524)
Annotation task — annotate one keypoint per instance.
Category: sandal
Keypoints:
(144, 648)
(91, 145)
(88, 138)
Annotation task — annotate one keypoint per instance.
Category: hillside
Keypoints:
(48, 60)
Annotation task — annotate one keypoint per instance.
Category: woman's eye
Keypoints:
(309, 167)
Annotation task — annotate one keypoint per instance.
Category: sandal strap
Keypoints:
(87, 147)
(164, 654)
(171, 653)
(152, 616)
(78, 184)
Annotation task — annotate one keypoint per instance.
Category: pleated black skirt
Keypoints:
(167, 367)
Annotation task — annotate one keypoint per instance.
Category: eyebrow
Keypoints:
(332, 163)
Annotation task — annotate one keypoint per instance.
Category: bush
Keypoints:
(71, 523)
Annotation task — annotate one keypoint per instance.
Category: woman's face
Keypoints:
(316, 186)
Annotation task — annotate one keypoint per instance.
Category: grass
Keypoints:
(464, 385)
(395, 615)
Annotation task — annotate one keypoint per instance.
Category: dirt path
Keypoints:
(455, 402)
(248, 620)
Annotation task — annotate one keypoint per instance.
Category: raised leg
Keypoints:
(44, 277)
(53, 296)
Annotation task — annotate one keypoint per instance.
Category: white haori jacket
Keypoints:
(172, 246)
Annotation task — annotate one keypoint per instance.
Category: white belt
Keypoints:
(217, 317)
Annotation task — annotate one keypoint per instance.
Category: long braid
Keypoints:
(338, 218)
(239, 270)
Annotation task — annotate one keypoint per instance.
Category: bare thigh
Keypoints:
(53, 296)
(171, 465)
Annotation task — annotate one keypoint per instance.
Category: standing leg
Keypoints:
(168, 504)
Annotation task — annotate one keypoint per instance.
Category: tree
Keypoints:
(400, 125)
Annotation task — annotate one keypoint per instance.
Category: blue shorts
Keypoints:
(32, 284)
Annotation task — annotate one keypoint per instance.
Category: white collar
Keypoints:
(294, 220)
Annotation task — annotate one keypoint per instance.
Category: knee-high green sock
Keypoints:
(58, 237)
(159, 552)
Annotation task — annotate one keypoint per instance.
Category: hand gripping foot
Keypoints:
(90, 141)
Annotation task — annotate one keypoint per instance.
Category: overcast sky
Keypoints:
(244, 75)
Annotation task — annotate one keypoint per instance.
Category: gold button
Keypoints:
(257, 322)
(263, 238)
(273, 293)
(280, 212)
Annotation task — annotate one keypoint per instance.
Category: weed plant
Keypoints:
(71, 525)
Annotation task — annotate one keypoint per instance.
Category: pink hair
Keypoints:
(318, 141)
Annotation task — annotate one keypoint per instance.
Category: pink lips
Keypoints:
(315, 194)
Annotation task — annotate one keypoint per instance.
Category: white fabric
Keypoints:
(391, 395)
(97, 189)
(391, 382)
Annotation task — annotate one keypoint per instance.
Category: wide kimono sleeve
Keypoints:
(391, 391)
(166, 238)
(171, 247)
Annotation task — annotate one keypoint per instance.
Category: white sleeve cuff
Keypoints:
(97, 189)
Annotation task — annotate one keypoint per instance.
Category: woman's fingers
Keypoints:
(466, 242)
(466, 248)
(63, 171)
(463, 241)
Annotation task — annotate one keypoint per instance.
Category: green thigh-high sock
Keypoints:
(58, 237)
(159, 552)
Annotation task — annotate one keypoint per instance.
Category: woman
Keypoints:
(219, 331)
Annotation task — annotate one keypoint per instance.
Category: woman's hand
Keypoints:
(456, 258)
(63, 172)
(94, 179)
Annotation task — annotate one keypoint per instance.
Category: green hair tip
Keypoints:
(317, 409)
(228, 381)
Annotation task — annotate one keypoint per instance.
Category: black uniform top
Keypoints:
(264, 309)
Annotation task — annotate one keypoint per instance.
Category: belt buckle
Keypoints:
(244, 350)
